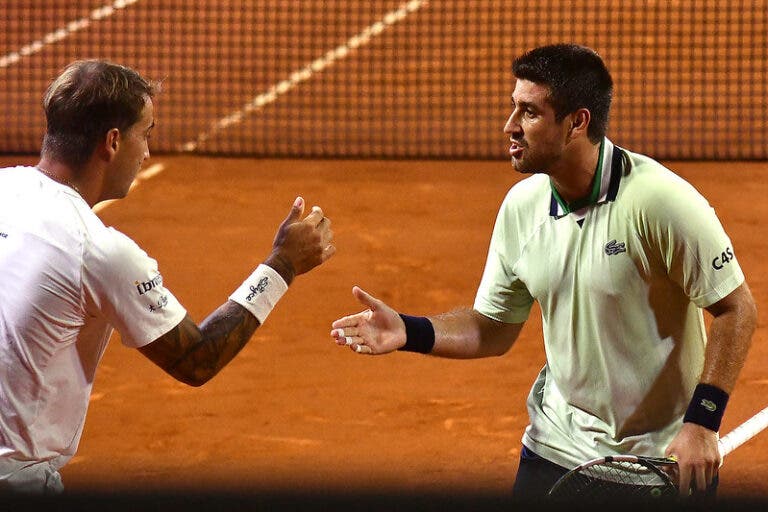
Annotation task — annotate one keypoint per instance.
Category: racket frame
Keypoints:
(653, 464)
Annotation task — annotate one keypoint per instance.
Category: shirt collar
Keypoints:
(605, 184)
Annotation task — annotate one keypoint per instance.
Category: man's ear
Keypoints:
(110, 144)
(579, 123)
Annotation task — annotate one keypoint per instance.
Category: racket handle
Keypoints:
(743, 432)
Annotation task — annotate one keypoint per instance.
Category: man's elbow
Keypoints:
(752, 307)
(748, 308)
(497, 347)
(193, 376)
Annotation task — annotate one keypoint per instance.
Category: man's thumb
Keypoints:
(365, 298)
(297, 210)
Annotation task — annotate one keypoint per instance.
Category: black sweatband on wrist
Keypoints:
(707, 407)
(419, 334)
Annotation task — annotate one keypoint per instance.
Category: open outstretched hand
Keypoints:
(376, 330)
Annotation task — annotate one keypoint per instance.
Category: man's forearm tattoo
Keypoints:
(201, 353)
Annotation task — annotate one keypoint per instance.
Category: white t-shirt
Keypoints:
(620, 282)
(65, 281)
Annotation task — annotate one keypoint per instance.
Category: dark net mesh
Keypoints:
(426, 78)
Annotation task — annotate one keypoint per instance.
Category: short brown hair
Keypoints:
(89, 98)
(576, 77)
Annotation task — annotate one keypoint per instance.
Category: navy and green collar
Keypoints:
(605, 183)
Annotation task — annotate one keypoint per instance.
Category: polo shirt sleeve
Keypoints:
(127, 287)
(691, 241)
(502, 295)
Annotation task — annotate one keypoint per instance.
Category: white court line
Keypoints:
(62, 33)
(305, 73)
(141, 177)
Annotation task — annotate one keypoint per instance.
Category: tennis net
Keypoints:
(395, 79)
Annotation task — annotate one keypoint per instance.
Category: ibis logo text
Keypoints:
(144, 286)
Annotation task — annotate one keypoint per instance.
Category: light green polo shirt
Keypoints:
(620, 282)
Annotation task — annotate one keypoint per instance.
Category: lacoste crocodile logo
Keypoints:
(614, 247)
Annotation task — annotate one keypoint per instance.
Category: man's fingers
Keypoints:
(315, 216)
(685, 481)
(346, 336)
(701, 479)
(350, 320)
(342, 338)
(345, 332)
(350, 337)
(326, 234)
(329, 251)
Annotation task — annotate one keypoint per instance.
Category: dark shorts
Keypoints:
(535, 476)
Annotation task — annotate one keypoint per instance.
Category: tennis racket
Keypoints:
(631, 478)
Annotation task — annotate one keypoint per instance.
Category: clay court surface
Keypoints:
(295, 412)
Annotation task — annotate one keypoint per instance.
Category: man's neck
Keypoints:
(574, 176)
(66, 175)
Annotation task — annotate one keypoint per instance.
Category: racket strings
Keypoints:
(616, 481)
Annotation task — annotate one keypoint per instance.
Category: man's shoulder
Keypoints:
(529, 191)
(15, 168)
(652, 194)
(525, 207)
(110, 243)
(643, 166)
(14, 177)
(648, 180)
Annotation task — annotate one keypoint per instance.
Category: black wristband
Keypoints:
(419, 334)
(707, 407)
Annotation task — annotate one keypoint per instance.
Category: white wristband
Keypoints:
(260, 292)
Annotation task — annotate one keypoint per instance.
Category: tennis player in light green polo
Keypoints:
(622, 255)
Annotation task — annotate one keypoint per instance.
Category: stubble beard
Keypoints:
(535, 164)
